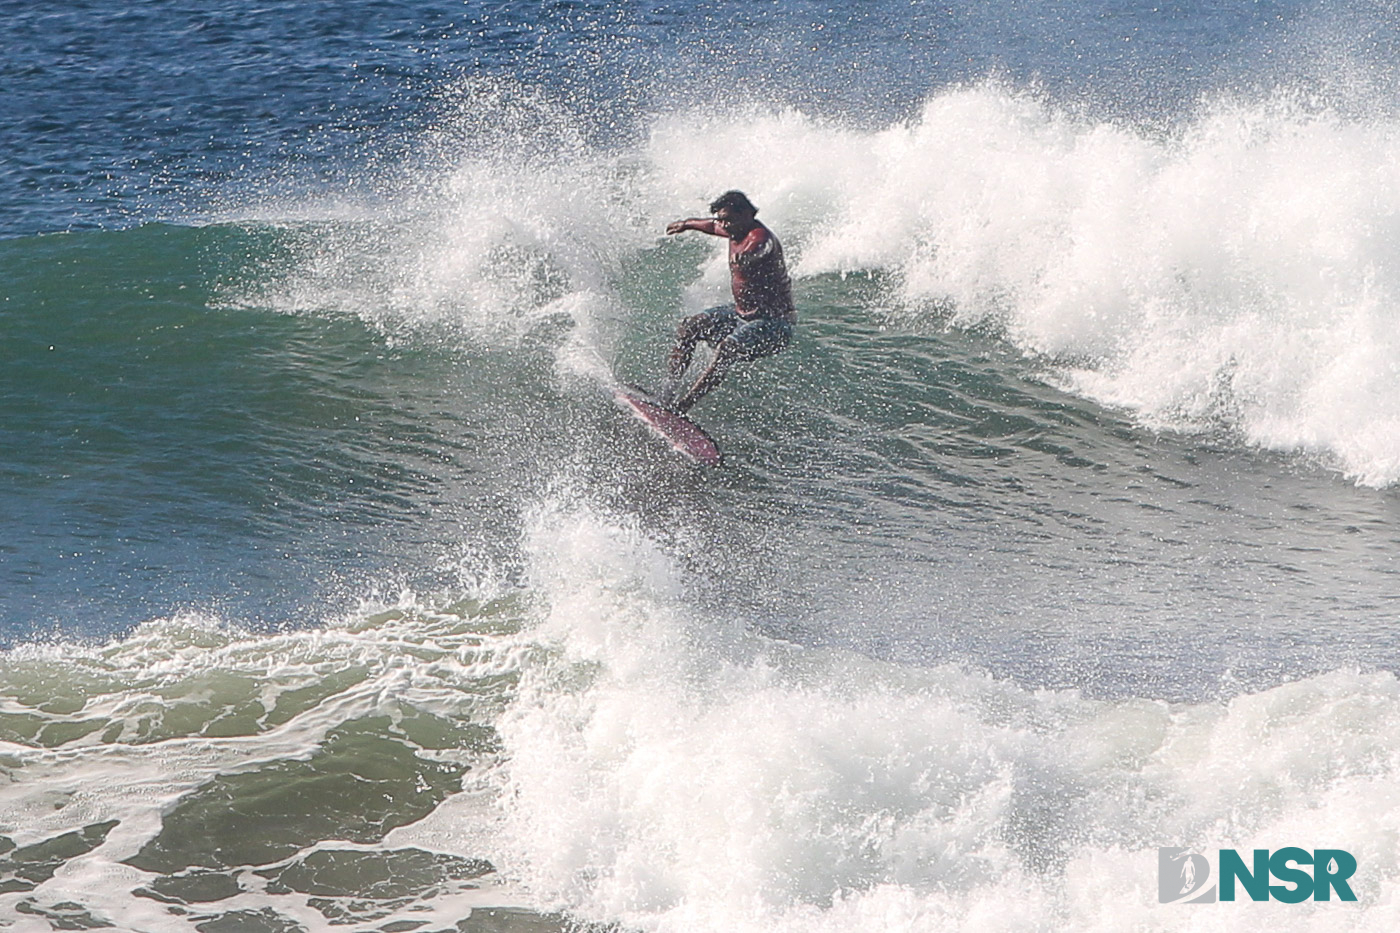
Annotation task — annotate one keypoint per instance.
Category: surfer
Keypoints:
(760, 321)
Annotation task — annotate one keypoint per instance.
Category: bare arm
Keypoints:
(704, 224)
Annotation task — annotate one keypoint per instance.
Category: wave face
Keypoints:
(1234, 273)
(337, 594)
(1228, 275)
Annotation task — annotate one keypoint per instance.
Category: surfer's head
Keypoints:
(736, 202)
(736, 212)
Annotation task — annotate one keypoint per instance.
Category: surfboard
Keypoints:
(685, 436)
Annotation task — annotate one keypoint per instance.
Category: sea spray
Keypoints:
(611, 748)
(1235, 270)
(671, 772)
(1231, 272)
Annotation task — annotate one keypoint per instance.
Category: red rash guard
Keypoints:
(757, 271)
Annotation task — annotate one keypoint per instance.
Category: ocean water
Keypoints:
(337, 594)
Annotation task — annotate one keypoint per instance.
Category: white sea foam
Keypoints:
(1241, 270)
(672, 772)
(668, 770)
(133, 727)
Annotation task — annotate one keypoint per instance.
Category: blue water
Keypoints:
(117, 114)
(335, 592)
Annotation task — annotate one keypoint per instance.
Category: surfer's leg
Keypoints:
(711, 326)
(725, 354)
(756, 339)
(687, 335)
(751, 340)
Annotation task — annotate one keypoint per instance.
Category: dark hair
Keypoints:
(735, 201)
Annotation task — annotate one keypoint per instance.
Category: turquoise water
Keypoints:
(337, 593)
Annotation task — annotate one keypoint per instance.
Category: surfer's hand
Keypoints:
(675, 226)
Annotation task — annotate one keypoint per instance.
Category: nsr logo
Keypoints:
(1182, 875)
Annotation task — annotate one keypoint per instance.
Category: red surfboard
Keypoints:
(684, 435)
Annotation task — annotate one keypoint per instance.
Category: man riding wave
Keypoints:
(760, 321)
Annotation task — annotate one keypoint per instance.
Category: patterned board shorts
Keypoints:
(752, 337)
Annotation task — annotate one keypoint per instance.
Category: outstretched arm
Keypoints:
(704, 224)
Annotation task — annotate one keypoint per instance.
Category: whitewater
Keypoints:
(336, 593)
(1232, 275)
(626, 759)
